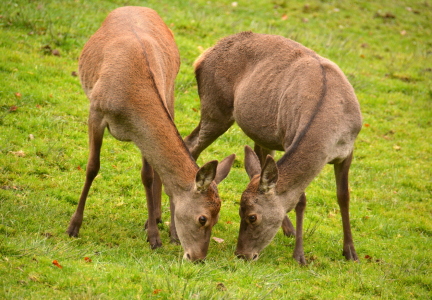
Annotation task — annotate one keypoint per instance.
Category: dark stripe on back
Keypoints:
(295, 144)
(152, 76)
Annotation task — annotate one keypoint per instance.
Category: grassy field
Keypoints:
(384, 48)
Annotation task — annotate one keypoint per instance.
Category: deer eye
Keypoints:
(252, 218)
(202, 220)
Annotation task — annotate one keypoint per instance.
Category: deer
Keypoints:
(285, 97)
(127, 70)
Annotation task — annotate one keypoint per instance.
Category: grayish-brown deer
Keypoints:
(284, 97)
(127, 70)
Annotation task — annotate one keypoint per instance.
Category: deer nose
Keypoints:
(193, 258)
(248, 256)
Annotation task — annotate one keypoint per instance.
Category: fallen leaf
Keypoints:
(56, 263)
(13, 108)
(218, 240)
(79, 168)
(31, 137)
(19, 153)
(403, 32)
(366, 125)
(74, 74)
(87, 259)
(234, 4)
(157, 291)
(221, 287)
(18, 95)
(284, 17)
(368, 257)
(396, 147)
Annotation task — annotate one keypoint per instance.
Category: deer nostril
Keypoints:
(255, 257)
(188, 256)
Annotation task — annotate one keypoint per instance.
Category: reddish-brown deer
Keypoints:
(127, 70)
(284, 97)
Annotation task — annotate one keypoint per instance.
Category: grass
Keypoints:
(383, 47)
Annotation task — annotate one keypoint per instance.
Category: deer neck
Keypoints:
(296, 170)
(166, 152)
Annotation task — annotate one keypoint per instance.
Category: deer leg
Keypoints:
(261, 152)
(298, 248)
(343, 196)
(147, 176)
(96, 132)
(205, 134)
(173, 230)
(157, 196)
(288, 228)
(157, 199)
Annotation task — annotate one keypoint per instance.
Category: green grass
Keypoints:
(384, 48)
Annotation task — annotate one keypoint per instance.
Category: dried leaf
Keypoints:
(19, 153)
(284, 17)
(87, 259)
(13, 108)
(56, 263)
(218, 240)
(157, 291)
(221, 287)
(18, 95)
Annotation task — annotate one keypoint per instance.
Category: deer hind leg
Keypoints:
(95, 131)
(147, 176)
(261, 152)
(298, 248)
(343, 196)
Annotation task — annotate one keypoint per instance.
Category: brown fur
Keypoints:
(127, 70)
(284, 97)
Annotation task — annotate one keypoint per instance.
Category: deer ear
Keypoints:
(224, 168)
(269, 175)
(251, 162)
(205, 175)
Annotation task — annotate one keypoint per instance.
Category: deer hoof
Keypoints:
(73, 230)
(175, 240)
(350, 253)
(155, 244)
(300, 259)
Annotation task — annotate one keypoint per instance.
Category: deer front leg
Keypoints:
(173, 231)
(343, 196)
(147, 176)
(206, 133)
(288, 228)
(298, 248)
(157, 199)
(93, 165)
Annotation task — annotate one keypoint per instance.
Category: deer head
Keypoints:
(261, 211)
(197, 210)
